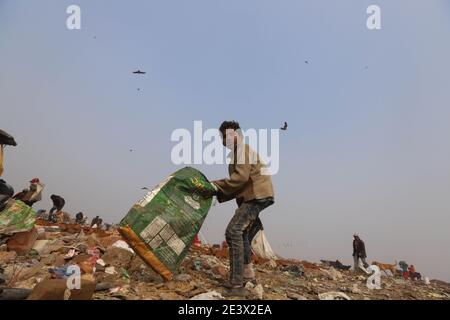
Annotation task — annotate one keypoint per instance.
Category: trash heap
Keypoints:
(38, 263)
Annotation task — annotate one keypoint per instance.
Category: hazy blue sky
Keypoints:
(367, 149)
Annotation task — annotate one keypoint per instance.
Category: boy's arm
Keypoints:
(223, 198)
(236, 182)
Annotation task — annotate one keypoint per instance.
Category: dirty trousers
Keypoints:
(240, 231)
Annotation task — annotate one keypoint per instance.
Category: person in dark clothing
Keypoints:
(96, 221)
(79, 218)
(58, 204)
(99, 223)
(359, 252)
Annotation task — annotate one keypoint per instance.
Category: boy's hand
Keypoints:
(208, 193)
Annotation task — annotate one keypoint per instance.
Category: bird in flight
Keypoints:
(306, 61)
(144, 188)
(284, 127)
(139, 72)
(131, 150)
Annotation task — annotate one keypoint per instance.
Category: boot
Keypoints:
(234, 291)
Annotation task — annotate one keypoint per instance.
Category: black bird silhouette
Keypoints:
(139, 72)
(284, 127)
(306, 61)
(144, 188)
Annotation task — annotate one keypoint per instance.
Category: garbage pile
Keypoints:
(42, 263)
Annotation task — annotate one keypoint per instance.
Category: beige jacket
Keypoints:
(246, 180)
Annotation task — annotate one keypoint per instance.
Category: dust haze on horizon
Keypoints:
(367, 150)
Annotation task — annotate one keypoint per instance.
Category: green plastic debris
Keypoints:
(16, 217)
(161, 226)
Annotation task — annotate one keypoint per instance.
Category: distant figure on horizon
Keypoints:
(97, 221)
(412, 272)
(79, 218)
(404, 266)
(100, 223)
(58, 204)
(359, 252)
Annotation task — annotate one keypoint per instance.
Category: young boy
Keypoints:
(253, 192)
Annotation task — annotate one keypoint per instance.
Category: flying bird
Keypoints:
(131, 150)
(284, 127)
(139, 72)
(306, 61)
(144, 188)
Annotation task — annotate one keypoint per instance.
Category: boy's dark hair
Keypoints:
(229, 125)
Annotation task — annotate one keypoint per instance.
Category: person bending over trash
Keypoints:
(253, 192)
(96, 222)
(359, 252)
(34, 193)
(58, 204)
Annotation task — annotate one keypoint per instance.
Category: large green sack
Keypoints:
(16, 217)
(162, 225)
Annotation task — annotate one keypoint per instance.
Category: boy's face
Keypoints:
(229, 138)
